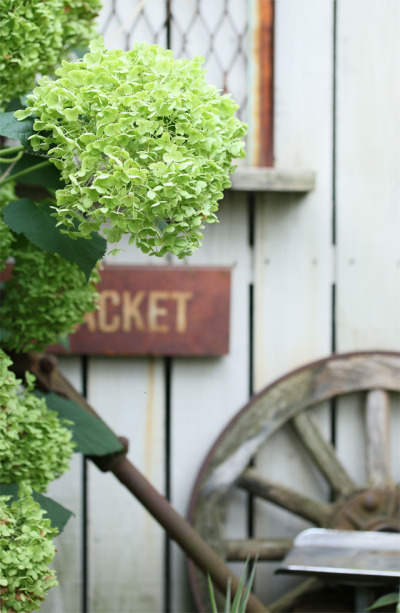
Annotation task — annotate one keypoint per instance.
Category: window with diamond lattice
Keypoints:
(234, 36)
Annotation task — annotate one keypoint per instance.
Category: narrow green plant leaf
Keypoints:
(228, 597)
(387, 599)
(49, 177)
(238, 597)
(212, 594)
(91, 436)
(246, 593)
(35, 222)
(18, 130)
(57, 514)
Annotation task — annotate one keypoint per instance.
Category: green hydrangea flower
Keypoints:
(45, 299)
(142, 140)
(26, 550)
(6, 241)
(35, 445)
(6, 236)
(36, 35)
(7, 193)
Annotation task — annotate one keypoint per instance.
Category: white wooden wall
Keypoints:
(325, 270)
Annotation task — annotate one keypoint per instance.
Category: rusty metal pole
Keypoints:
(51, 380)
(182, 532)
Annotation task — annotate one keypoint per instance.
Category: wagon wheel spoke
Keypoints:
(290, 599)
(323, 454)
(238, 550)
(378, 439)
(317, 512)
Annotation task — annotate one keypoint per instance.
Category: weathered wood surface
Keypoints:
(282, 401)
(378, 442)
(293, 265)
(367, 211)
(262, 549)
(253, 179)
(290, 598)
(323, 453)
(206, 393)
(368, 188)
(293, 253)
(129, 394)
(268, 412)
(68, 491)
(316, 512)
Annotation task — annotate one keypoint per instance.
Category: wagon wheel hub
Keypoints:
(370, 509)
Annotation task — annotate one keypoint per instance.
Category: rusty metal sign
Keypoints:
(157, 311)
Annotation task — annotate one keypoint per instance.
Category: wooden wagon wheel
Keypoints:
(374, 506)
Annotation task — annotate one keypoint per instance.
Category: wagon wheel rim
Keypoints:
(285, 401)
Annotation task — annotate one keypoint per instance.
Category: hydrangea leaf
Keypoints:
(48, 177)
(57, 514)
(36, 223)
(91, 436)
(4, 334)
(15, 104)
(18, 130)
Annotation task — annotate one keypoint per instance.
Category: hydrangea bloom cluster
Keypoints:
(36, 35)
(35, 445)
(44, 299)
(26, 550)
(140, 139)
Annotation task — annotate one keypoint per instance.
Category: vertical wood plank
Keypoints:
(207, 392)
(294, 254)
(125, 543)
(66, 598)
(368, 187)
(368, 193)
(378, 439)
(126, 562)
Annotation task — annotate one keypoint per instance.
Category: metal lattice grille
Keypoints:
(216, 29)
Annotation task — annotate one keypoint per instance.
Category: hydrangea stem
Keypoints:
(10, 150)
(25, 171)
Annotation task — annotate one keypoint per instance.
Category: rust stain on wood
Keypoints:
(149, 420)
(265, 60)
(157, 311)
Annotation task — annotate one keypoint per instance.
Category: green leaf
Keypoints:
(392, 598)
(14, 105)
(36, 223)
(12, 128)
(4, 334)
(57, 514)
(49, 177)
(211, 594)
(247, 591)
(64, 342)
(91, 435)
